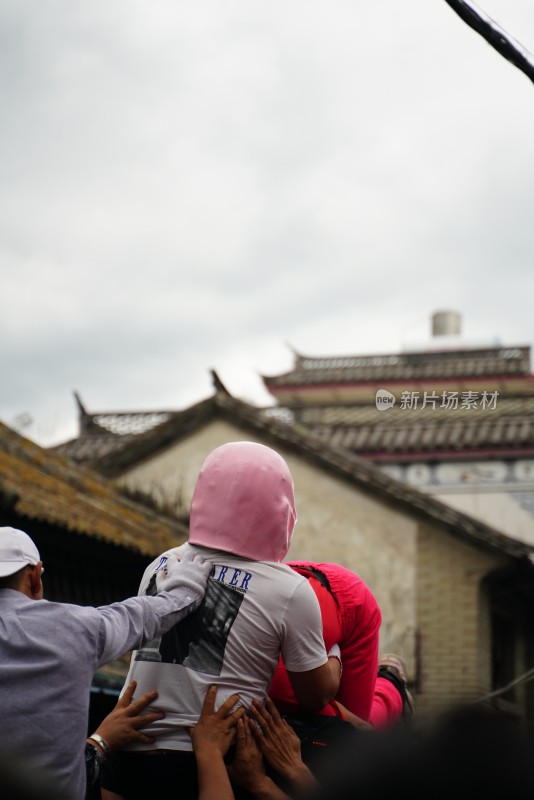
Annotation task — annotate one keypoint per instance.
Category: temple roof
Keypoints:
(451, 403)
(437, 364)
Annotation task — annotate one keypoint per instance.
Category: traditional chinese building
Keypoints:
(452, 419)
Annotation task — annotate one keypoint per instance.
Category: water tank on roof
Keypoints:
(446, 323)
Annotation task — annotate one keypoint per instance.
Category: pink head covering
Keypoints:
(243, 502)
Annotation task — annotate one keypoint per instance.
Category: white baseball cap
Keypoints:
(16, 551)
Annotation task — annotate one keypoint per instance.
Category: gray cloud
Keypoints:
(186, 186)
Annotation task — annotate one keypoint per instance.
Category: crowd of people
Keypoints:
(249, 675)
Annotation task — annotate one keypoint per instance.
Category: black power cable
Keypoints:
(495, 36)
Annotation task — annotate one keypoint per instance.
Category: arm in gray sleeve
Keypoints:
(126, 625)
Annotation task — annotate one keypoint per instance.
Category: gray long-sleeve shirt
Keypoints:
(48, 655)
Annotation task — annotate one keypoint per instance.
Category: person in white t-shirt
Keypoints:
(254, 610)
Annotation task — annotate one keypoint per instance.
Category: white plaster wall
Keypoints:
(340, 522)
(500, 509)
(337, 522)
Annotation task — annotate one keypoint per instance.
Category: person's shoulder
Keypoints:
(263, 573)
(157, 563)
(277, 569)
(296, 585)
(172, 551)
(66, 616)
(327, 567)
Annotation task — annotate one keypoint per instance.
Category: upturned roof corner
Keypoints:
(218, 385)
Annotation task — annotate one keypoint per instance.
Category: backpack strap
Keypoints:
(308, 571)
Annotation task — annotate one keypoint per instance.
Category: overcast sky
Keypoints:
(206, 184)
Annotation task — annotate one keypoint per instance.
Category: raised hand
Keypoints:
(121, 726)
(211, 737)
(279, 744)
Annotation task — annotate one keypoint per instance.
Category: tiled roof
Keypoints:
(479, 363)
(91, 448)
(42, 485)
(295, 438)
(107, 451)
(503, 408)
(127, 423)
(348, 418)
(505, 427)
(508, 426)
(365, 430)
(512, 436)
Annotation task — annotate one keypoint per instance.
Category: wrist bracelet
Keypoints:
(335, 652)
(332, 655)
(101, 742)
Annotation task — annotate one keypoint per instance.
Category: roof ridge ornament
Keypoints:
(87, 422)
(218, 385)
(81, 407)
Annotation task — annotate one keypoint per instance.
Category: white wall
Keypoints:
(500, 508)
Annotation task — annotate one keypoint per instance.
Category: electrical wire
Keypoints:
(495, 36)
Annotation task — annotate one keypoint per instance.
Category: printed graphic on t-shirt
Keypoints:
(199, 641)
